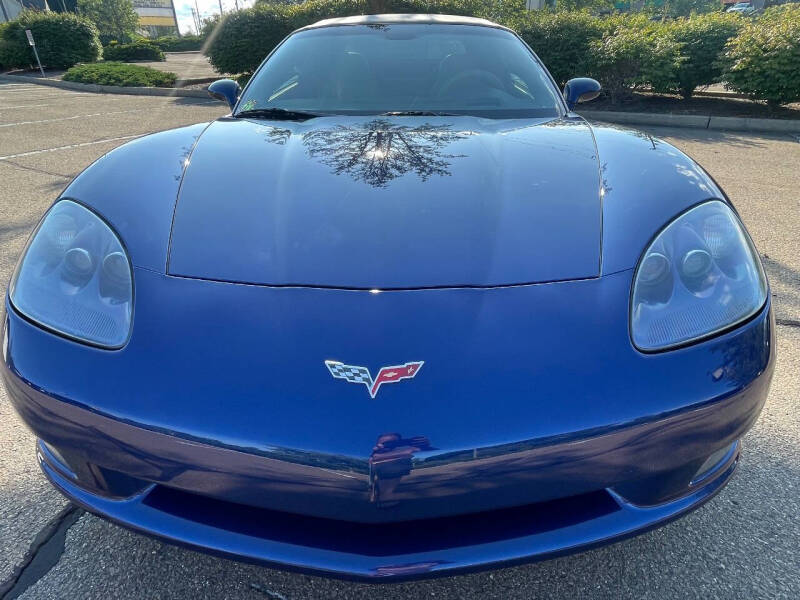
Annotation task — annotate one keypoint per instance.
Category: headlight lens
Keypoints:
(700, 275)
(75, 278)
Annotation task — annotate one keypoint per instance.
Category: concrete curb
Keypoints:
(695, 121)
(107, 89)
(194, 80)
(719, 94)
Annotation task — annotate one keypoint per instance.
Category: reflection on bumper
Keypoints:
(392, 551)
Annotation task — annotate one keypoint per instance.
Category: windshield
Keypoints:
(377, 69)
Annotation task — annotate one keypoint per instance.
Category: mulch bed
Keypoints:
(700, 105)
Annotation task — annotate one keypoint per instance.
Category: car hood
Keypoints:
(389, 203)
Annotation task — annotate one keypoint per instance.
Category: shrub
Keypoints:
(244, 38)
(12, 52)
(563, 40)
(138, 50)
(115, 19)
(684, 8)
(763, 61)
(634, 56)
(703, 39)
(243, 79)
(62, 39)
(121, 74)
(171, 43)
(638, 20)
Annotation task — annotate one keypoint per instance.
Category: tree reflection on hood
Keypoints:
(378, 151)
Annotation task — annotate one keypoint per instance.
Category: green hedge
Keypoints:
(635, 56)
(62, 40)
(171, 43)
(757, 56)
(563, 40)
(138, 50)
(121, 74)
(763, 61)
(702, 39)
(7, 50)
(244, 38)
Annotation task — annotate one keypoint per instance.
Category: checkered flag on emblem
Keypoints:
(350, 373)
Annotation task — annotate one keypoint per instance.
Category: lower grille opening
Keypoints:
(385, 539)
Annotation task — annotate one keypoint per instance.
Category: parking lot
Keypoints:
(745, 543)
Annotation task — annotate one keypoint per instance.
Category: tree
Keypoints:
(115, 19)
(207, 25)
(63, 5)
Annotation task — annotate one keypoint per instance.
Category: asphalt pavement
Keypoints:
(186, 65)
(745, 543)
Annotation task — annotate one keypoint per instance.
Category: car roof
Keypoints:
(402, 18)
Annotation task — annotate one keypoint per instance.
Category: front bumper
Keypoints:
(172, 437)
(388, 552)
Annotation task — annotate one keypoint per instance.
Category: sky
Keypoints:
(183, 8)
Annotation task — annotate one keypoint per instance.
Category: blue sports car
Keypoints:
(401, 313)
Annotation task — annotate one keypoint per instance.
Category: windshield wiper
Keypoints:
(278, 114)
(417, 113)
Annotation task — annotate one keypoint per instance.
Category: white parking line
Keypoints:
(25, 106)
(81, 145)
(39, 90)
(17, 86)
(104, 97)
(117, 112)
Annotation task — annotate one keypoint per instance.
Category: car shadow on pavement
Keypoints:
(785, 287)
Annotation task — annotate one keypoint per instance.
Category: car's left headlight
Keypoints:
(75, 278)
(699, 276)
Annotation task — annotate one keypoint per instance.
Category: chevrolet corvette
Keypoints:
(401, 313)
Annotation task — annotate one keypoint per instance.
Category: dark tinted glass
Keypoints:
(372, 69)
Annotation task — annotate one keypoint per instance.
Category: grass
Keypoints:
(120, 74)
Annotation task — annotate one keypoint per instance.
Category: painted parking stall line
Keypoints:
(41, 93)
(26, 106)
(100, 114)
(71, 146)
(39, 88)
(99, 99)
(17, 86)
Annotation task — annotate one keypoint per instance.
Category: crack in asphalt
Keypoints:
(788, 322)
(16, 165)
(44, 553)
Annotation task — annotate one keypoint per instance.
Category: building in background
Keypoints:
(9, 9)
(156, 17)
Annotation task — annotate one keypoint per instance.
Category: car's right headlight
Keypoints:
(699, 276)
(75, 278)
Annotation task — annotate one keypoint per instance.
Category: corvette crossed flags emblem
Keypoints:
(356, 374)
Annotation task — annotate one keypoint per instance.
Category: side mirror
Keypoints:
(225, 89)
(581, 89)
